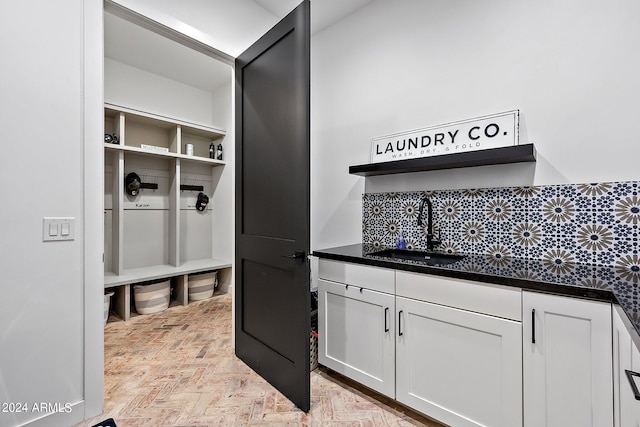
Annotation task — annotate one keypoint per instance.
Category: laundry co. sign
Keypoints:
(493, 131)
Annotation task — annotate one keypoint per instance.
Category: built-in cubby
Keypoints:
(159, 232)
(167, 100)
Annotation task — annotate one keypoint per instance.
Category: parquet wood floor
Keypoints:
(177, 368)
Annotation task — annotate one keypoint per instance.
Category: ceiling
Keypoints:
(140, 48)
(324, 13)
(228, 25)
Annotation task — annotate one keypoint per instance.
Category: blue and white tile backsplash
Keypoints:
(562, 225)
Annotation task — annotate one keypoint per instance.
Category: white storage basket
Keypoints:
(201, 285)
(152, 298)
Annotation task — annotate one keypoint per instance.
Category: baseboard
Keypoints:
(67, 415)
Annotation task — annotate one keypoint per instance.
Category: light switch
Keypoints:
(54, 229)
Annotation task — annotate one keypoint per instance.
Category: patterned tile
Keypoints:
(598, 223)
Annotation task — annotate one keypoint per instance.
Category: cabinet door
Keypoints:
(459, 367)
(356, 334)
(625, 357)
(635, 404)
(566, 362)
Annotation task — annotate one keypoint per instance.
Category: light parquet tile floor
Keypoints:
(178, 368)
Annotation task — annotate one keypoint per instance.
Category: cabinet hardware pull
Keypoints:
(400, 323)
(360, 290)
(533, 326)
(347, 287)
(630, 375)
(386, 312)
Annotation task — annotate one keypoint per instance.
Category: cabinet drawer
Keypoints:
(494, 300)
(374, 278)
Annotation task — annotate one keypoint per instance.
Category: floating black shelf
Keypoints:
(493, 156)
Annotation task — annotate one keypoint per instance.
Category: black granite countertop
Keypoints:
(579, 280)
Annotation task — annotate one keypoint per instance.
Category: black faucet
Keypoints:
(431, 243)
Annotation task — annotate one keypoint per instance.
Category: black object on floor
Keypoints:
(106, 423)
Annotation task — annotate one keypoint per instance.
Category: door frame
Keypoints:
(93, 175)
(93, 207)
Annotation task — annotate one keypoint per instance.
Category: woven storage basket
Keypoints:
(313, 348)
(153, 297)
(107, 304)
(201, 285)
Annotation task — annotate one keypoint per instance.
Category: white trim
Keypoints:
(62, 418)
(93, 163)
(161, 29)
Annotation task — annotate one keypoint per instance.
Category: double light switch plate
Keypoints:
(55, 229)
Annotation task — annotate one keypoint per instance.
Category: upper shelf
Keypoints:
(153, 135)
(195, 159)
(493, 156)
(157, 120)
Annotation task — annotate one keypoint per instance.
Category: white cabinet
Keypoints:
(456, 358)
(356, 324)
(359, 330)
(476, 354)
(458, 366)
(626, 357)
(567, 362)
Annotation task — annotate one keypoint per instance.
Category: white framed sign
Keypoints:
(481, 133)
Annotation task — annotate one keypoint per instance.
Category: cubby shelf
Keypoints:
(158, 233)
(135, 275)
(205, 160)
(494, 156)
(163, 121)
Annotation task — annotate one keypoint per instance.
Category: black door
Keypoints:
(272, 206)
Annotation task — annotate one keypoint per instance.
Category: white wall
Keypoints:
(42, 309)
(131, 87)
(570, 67)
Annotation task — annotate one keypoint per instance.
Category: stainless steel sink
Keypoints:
(430, 258)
